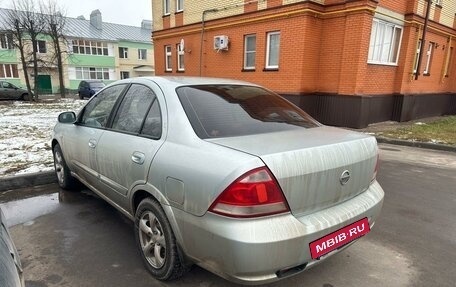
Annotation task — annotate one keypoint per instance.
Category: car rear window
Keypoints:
(237, 110)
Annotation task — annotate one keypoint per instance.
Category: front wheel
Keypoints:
(64, 177)
(156, 241)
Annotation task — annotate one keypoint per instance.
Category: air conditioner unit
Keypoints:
(221, 42)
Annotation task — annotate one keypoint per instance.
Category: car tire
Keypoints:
(64, 177)
(156, 242)
(25, 97)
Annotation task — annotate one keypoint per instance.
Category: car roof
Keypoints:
(189, 81)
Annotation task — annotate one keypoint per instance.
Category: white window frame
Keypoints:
(38, 46)
(429, 58)
(438, 2)
(92, 73)
(166, 7)
(6, 41)
(95, 48)
(179, 5)
(142, 54)
(376, 58)
(168, 58)
(449, 63)
(10, 69)
(123, 73)
(268, 50)
(123, 52)
(248, 52)
(180, 58)
(417, 55)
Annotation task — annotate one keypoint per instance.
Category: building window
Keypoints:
(417, 56)
(427, 69)
(272, 50)
(6, 41)
(438, 2)
(168, 66)
(92, 73)
(180, 58)
(179, 5)
(124, 75)
(249, 52)
(142, 54)
(41, 47)
(449, 63)
(123, 53)
(90, 47)
(8, 71)
(166, 7)
(384, 43)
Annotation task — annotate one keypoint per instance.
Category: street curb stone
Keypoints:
(433, 146)
(26, 180)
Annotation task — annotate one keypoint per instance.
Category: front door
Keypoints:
(81, 142)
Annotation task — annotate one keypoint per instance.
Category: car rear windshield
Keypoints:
(236, 110)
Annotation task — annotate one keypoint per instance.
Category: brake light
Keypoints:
(374, 176)
(254, 194)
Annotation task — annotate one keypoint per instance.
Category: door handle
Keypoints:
(138, 157)
(92, 143)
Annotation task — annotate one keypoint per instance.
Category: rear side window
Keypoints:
(236, 110)
(133, 109)
(153, 124)
(96, 112)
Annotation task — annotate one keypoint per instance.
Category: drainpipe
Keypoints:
(423, 39)
(202, 38)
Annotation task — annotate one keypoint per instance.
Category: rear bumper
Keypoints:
(256, 251)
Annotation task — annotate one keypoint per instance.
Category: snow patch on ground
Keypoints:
(25, 134)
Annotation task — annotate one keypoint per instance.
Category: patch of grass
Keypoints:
(440, 131)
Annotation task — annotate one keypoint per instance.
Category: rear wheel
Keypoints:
(25, 97)
(66, 181)
(156, 241)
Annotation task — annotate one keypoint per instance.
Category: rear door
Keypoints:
(80, 142)
(126, 150)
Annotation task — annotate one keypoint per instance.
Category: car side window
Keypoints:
(153, 124)
(96, 112)
(7, 85)
(133, 109)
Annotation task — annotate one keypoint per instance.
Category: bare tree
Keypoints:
(55, 24)
(12, 23)
(34, 25)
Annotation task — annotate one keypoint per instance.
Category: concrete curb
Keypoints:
(26, 180)
(433, 146)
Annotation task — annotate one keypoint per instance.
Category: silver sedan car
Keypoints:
(221, 173)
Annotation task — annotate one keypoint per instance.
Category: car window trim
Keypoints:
(117, 106)
(81, 113)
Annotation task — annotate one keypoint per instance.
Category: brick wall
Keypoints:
(319, 52)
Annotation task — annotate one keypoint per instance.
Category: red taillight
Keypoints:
(374, 176)
(254, 194)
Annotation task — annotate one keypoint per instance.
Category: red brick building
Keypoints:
(346, 62)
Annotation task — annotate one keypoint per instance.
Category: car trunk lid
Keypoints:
(312, 165)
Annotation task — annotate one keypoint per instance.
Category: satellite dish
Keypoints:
(181, 45)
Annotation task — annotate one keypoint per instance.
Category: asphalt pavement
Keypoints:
(76, 239)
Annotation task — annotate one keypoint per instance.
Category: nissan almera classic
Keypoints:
(221, 173)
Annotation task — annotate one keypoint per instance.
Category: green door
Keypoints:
(44, 84)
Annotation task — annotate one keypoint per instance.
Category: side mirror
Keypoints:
(67, 118)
